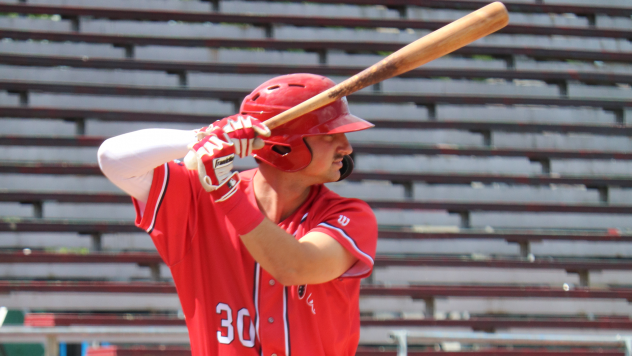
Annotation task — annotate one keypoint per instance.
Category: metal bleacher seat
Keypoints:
(500, 175)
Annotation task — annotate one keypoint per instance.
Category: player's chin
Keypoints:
(334, 174)
(328, 176)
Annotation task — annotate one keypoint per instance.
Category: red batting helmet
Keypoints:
(285, 148)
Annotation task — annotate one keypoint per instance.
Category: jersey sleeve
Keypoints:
(170, 216)
(353, 224)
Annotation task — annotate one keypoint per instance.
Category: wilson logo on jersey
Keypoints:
(343, 220)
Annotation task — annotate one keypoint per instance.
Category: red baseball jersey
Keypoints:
(234, 307)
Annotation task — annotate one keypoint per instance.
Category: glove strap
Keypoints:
(228, 187)
(234, 203)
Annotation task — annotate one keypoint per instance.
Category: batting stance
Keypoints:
(267, 261)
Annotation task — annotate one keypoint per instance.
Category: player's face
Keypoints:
(327, 154)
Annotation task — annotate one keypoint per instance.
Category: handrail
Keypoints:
(163, 334)
(402, 336)
(51, 336)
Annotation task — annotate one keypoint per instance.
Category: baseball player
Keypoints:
(266, 261)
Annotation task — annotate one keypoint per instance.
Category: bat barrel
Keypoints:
(447, 39)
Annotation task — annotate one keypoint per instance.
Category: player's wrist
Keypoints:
(242, 214)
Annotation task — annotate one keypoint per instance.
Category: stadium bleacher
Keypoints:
(500, 174)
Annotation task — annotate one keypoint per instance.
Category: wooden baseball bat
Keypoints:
(447, 39)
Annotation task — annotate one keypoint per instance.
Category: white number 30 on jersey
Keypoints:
(229, 335)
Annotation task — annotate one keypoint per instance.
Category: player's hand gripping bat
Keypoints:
(447, 39)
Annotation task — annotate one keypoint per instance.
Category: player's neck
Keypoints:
(279, 193)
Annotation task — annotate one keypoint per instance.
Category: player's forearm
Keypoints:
(128, 160)
(295, 262)
(315, 258)
(278, 252)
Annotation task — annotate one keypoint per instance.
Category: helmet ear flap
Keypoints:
(347, 167)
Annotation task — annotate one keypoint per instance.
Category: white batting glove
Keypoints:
(245, 132)
(215, 163)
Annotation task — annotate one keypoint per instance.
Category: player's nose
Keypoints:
(344, 147)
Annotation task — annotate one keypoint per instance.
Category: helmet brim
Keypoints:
(341, 124)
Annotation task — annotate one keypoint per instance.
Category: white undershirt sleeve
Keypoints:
(129, 160)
